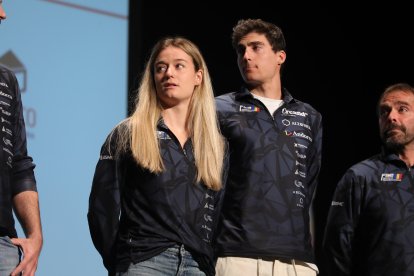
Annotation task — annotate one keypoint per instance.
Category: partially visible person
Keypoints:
(158, 184)
(370, 223)
(275, 144)
(2, 12)
(18, 191)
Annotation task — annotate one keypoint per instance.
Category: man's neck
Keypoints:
(268, 90)
(408, 157)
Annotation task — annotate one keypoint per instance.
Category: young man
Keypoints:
(370, 223)
(275, 142)
(18, 190)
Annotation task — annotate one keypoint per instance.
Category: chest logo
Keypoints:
(163, 135)
(249, 108)
(391, 177)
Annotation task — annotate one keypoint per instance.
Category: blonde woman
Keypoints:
(158, 185)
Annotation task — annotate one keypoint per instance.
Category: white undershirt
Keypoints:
(271, 104)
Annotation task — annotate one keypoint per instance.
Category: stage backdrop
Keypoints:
(70, 58)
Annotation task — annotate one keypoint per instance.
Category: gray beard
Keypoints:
(394, 146)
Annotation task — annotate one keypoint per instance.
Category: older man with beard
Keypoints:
(371, 219)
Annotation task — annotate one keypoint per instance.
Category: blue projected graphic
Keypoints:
(70, 58)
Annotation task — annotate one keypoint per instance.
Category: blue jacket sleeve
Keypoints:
(22, 174)
(105, 206)
(315, 156)
(342, 220)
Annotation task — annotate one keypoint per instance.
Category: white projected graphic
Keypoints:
(70, 58)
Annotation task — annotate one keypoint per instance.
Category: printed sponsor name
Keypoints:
(8, 131)
(300, 155)
(4, 103)
(288, 112)
(8, 151)
(300, 164)
(286, 122)
(300, 173)
(207, 217)
(5, 121)
(106, 157)
(7, 142)
(301, 125)
(297, 145)
(299, 184)
(299, 193)
(298, 134)
(6, 95)
(209, 206)
(5, 112)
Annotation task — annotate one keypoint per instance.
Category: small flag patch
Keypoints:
(391, 177)
(249, 108)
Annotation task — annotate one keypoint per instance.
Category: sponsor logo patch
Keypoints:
(249, 108)
(163, 135)
(391, 177)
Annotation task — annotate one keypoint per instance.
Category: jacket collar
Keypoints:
(244, 93)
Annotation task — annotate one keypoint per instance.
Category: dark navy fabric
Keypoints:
(17, 168)
(157, 211)
(370, 226)
(274, 165)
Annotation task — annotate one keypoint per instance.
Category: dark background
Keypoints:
(340, 57)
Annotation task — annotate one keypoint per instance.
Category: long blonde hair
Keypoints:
(139, 135)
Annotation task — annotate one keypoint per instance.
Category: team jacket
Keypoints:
(274, 165)
(156, 211)
(370, 226)
(17, 168)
